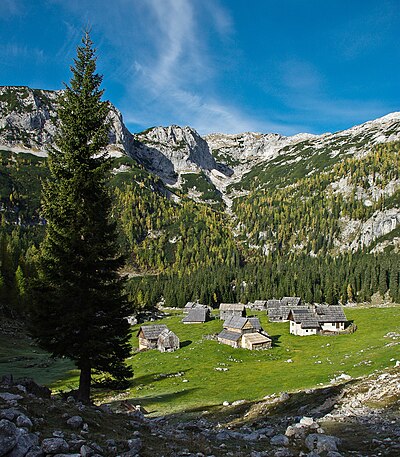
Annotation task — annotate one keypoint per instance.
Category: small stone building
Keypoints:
(167, 341)
(157, 337)
(197, 315)
(227, 310)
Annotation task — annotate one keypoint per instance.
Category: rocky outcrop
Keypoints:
(170, 151)
(356, 234)
(357, 417)
(28, 121)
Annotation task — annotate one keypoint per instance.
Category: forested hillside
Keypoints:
(225, 218)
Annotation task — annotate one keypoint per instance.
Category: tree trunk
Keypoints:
(85, 379)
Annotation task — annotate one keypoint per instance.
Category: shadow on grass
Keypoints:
(151, 378)
(275, 340)
(186, 343)
(162, 398)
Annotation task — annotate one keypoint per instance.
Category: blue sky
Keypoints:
(230, 66)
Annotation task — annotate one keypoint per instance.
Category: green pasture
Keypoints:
(188, 379)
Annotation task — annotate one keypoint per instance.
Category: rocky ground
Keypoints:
(355, 418)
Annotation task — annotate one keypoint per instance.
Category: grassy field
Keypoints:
(188, 379)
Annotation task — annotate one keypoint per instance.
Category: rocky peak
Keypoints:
(169, 151)
(28, 121)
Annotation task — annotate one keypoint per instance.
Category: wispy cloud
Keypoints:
(11, 51)
(161, 53)
(176, 80)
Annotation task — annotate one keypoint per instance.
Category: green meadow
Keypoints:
(204, 373)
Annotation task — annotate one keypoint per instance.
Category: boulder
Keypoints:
(279, 440)
(7, 396)
(9, 413)
(35, 451)
(24, 421)
(75, 422)
(8, 436)
(55, 446)
(306, 421)
(25, 442)
(322, 443)
(35, 389)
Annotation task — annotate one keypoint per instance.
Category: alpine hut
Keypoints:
(167, 341)
(227, 310)
(148, 336)
(197, 315)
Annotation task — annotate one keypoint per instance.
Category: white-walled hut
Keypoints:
(227, 310)
(167, 341)
(311, 320)
(303, 322)
(331, 318)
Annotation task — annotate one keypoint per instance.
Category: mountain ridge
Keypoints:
(222, 169)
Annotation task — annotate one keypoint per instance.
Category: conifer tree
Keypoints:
(78, 308)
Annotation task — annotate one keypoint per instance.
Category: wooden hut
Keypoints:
(167, 341)
(230, 338)
(278, 310)
(148, 336)
(291, 301)
(197, 315)
(189, 305)
(227, 310)
(256, 341)
(244, 332)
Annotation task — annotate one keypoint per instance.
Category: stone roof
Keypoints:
(330, 313)
(228, 335)
(291, 301)
(231, 307)
(273, 303)
(196, 315)
(255, 322)
(305, 317)
(256, 338)
(235, 322)
(279, 313)
(152, 332)
(190, 304)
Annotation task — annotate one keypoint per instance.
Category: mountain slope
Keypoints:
(225, 209)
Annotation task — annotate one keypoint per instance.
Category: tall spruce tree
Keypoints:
(79, 309)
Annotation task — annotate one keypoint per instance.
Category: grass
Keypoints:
(22, 358)
(187, 379)
(159, 382)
